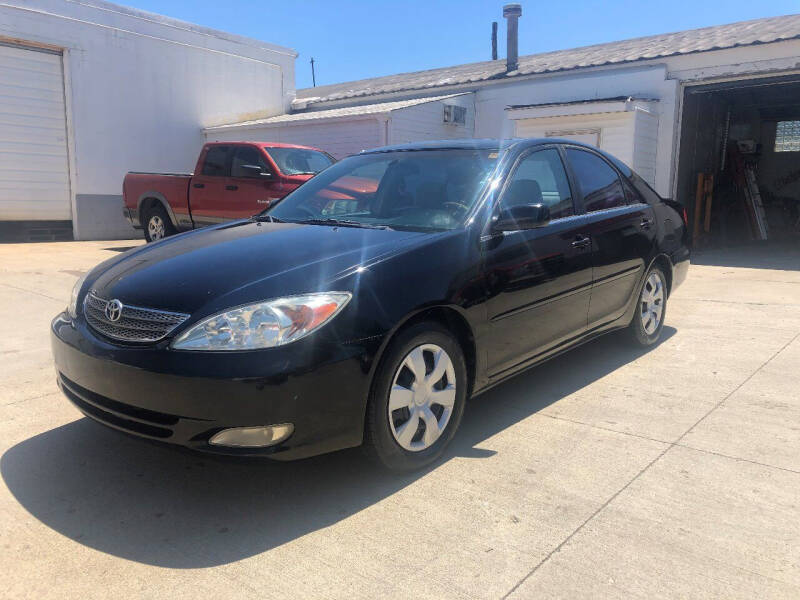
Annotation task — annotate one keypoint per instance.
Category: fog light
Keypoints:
(253, 437)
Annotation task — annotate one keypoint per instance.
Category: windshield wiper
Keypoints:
(267, 218)
(342, 223)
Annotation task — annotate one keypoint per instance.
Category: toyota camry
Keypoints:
(368, 314)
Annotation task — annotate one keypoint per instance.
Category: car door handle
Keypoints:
(232, 188)
(582, 241)
(199, 185)
(646, 223)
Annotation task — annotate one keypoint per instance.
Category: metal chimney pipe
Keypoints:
(494, 40)
(512, 13)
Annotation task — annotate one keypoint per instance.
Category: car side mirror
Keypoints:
(521, 216)
(254, 171)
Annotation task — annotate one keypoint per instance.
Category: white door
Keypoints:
(34, 176)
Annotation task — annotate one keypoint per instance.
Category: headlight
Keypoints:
(265, 324)
(72, 307)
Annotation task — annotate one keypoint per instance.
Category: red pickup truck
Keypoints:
(232, 180)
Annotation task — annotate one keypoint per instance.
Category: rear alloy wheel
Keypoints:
(651, 308)
(157, 225)
(418, 398)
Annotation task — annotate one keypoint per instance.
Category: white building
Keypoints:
(665, 104)
(90, 90)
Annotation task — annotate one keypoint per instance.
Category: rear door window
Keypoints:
(216, 161)
(599, 182)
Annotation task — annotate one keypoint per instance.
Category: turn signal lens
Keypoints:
(263, 325)
(72, 307)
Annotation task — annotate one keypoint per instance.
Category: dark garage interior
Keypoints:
(739, 165)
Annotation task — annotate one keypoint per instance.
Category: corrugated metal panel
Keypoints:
(744, 33)
(34, 174)
(336, 113)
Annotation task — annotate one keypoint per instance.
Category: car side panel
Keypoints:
(623, 240)
(538, 287)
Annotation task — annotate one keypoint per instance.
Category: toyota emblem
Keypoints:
(113, 310)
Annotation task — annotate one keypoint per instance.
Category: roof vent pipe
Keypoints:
(512, 13)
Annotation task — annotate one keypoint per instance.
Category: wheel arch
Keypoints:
(151, 198)
(448, 316)
(663, 261)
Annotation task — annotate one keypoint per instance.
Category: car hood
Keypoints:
(243, 262)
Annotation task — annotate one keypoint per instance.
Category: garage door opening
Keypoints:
(739, 163)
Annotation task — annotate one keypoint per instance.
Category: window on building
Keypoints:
(599, 183)
(540, 179)
(456, 115)
(787, 136)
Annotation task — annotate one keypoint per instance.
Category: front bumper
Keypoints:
(185, 398)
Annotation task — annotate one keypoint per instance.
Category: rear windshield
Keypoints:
(299, 161)
(421, 189)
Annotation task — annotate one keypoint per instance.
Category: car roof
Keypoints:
(461, 144)
(474, 144)
(263, 144)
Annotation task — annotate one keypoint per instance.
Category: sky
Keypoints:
(352, 40)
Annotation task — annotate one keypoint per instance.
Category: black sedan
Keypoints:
(370, 303)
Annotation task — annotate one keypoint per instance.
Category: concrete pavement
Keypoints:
(608, 471)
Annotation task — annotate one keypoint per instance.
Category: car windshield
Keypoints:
(419, 189)
(299, 161)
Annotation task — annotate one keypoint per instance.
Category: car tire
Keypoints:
(651, 308)
(416, 434)
(157, 224)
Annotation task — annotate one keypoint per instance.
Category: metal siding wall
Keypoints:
(645, 146)
(34, 172)
(426, 122)
(339, 138)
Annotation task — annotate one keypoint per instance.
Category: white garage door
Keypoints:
(34, 177)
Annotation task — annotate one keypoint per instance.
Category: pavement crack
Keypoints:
(8, 285)
(670, 445)
(738, 459)
(609, 429)
(583, 524)
(737, 388)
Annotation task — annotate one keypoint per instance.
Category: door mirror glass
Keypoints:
(521, 216)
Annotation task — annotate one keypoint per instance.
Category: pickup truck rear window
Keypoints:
(299, 161)
(216, 161)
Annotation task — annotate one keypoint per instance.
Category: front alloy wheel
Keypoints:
(417, 398)
(422, 397)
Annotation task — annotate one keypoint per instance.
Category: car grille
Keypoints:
(135, 324)
(137, 420)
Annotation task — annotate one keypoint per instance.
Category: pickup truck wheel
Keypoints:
(157, 225)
